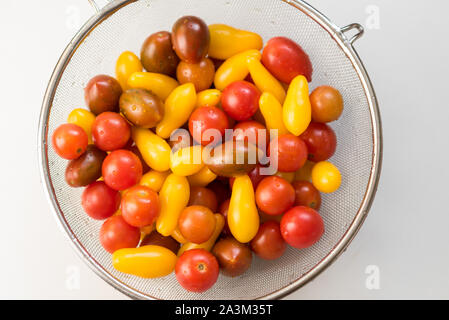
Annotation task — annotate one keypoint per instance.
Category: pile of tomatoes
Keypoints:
(134, 152)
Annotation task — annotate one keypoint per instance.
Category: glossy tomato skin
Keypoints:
(116, 234)
(327, 104)
(197, 270)
(321, 141)
(253, 132)
(100, 201)
(240, 100)
(274, 195)
(200, 196)
(201, 74)
(207, 118)
(291, 152)
(190, 38)
(69, 141)
(86, 169)
(110, 131)
(140, 206)
(102, 94)
(157, 54)
(197, 223)
(122, 169)
(285, 59)
(233, 257)
(302, 227)
(141, 107)
(156, 239)
(307, 195)
(268, 243)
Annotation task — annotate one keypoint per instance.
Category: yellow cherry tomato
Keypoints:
(145, 262)
(243, 216)
(178, 107)
(305, 173)
(174, 197)
(155, 150)
(127, 64)
(154, 179)
(326, 177)
(297, 111)
(208, 245)
(271, 110)
(289, 176)
(226, 41)
(83, 118)
(264, 81)
(209, 97)
(160, 84)
(177, 235)
(202, 178)
(234, 69)
(187, 161)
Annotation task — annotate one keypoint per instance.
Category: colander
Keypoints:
(123, 25)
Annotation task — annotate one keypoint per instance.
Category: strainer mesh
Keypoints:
(125, 30)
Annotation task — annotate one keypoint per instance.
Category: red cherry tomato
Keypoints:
(140, 206)
(197, 270)
(122, 169)
(285, 59)
(69, 141)
(291, 152)
(197, 223)
(307, 195)
(268, 243)
(240, 100)
(116, 234)
(224, 211)
(321, 141)
(206, 118)
(301, 227)
(110, 131)
(102, 94)
(100, 201)
(275, 195)
(253, 132)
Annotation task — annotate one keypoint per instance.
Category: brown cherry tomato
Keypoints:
(275, 195)
(197, 223)
(86, 169)
(141, 107)
(224, 211)
(268, 243)
(327, 104)
(201, 74)
(253, 132)
(116, 234)
(233, 257)
(321, 141)
(291, 152)
(69, 141)
(110, 131)
(102, 94)
(205, 197)
(205, 119)
(157, 54)
(190, 38)
(140, 206)
(221, 190)
(307, 195)
(156, 239)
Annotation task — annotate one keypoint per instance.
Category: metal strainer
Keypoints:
(123, 25)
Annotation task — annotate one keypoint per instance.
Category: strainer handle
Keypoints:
(356, 26)
(98, 4)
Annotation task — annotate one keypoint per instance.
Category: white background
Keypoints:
(406, 234)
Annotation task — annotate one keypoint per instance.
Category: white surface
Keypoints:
(405, 235)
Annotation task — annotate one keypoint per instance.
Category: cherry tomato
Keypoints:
(201, 74)
(135, 150)
(233, 257)
(253, 132)
(157, 54)
(326, 177)
(110, 131)
(268, 243)
(102, 94)
(205, 197)
(307, 195)
(205, 119)
(190, 37)
(156, 239)
(285, 59)
(140, 206)
(301, 227)
(69, 141)
(197, 270)
(122, 169)
(291, 152)
(275, 195)
(224, 211)
(240, 100)
(116, 234)
(327, 104)
(220, 189)
(321, 141)
(197, 223)
(100, 201)
(86, 169)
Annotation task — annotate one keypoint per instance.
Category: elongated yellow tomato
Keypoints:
(178, 236)
(178, 107)
(155, 150)
(202, 178)
(127, 64)
(145, 262)
(226, 41)
(305, 173)
(160, 84)
(83, 118)
(271, 110)
(264, 81)
(174, 197)
(326, 177)
(187, 161)
(243, 216)
(297, 111)
(208, 245)
(154, 179)
(234, 69)
(209, 97)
